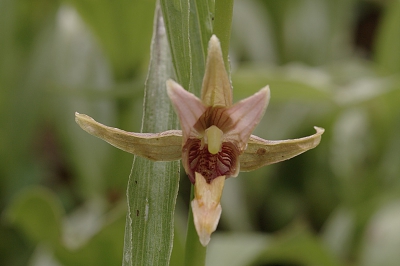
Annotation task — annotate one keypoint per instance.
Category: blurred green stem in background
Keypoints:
(223, 25)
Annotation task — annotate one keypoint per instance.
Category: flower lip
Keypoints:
(206, 206)
(196, 158)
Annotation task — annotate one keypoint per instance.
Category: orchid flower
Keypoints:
(215, 142)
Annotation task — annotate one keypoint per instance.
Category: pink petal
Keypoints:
(245, 116)
(188, 107)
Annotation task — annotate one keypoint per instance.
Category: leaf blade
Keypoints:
(153, 186)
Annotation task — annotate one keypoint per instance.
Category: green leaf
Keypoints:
(338, 231)
(222, 26)
(153, 186)
(200, 28)
(189, 28)
(37, 212)
(101, 245)
(388, 41)
(236, 249)
(300, 82)
(123, 27)
(296, 246)
(382, 237)
(176, 17)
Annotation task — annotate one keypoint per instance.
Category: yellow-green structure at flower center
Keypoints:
(213, 139)
(215, 159)
(211, 155)
(215, 142)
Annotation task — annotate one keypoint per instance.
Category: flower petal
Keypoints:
(245, 116)
(262, 152)
(206, 206)
(216, 89)
(187, 106)
(164, 146)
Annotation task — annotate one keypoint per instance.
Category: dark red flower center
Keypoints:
(210, 166)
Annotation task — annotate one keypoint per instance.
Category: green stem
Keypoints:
(223, 25)
(195, 253)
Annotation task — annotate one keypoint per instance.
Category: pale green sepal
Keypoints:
(216, 89)
(164, 146)
(260, 152)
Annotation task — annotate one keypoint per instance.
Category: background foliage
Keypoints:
(334, 64)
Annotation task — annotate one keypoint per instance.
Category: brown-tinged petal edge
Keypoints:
(164, 146)
(261, 152)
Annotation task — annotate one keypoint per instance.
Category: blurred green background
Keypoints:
(329, 63)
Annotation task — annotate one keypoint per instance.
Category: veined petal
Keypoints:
(206, 206)
(164, 146)
(210, 166)
(216, 89)
(262, 152)
(187, 106)
(245, 116)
